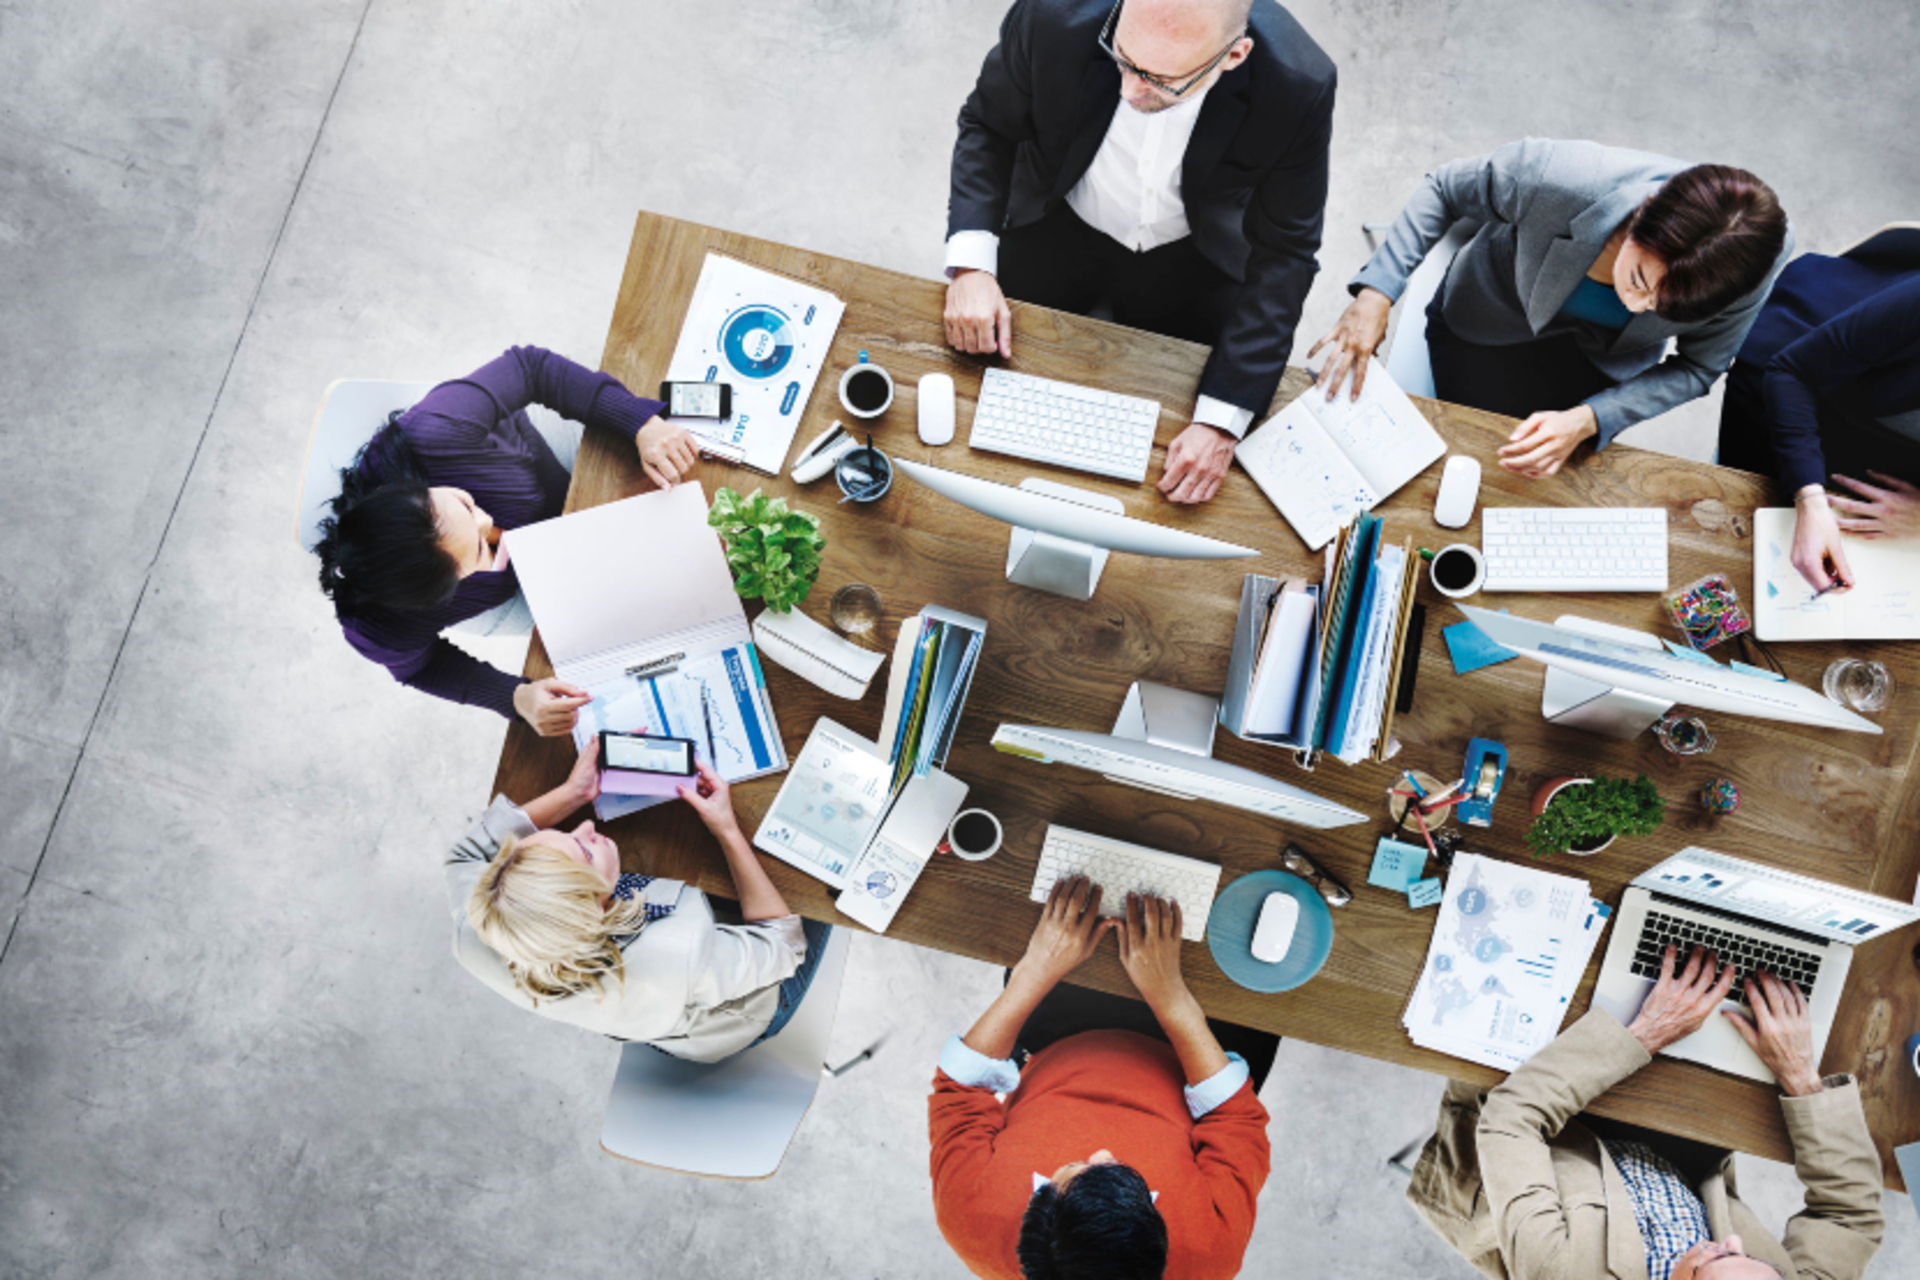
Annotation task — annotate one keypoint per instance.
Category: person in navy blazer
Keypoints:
(1828, 385)
(1167, 157)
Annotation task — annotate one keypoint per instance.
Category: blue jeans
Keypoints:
(794, 988)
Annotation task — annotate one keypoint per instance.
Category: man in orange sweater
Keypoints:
(1116, 1154)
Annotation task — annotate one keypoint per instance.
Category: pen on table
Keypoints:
(706, 709)
(1426, 553)
(658, 667)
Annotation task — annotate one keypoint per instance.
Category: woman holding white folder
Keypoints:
(545, 918)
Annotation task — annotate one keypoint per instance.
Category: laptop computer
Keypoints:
(1754, 917)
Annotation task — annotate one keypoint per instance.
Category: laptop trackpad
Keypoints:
(1717, 1043)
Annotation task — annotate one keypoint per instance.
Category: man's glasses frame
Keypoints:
(1295, 859)
(1163, 85)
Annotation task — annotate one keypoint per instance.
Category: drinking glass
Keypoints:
(1858, 684)
(855, 608)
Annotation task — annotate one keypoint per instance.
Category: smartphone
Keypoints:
(646, 753)
(697, 399)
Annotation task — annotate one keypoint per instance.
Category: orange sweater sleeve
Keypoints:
(1231, 1151)
(963, 1123)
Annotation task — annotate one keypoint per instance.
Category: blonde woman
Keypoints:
(544, 918)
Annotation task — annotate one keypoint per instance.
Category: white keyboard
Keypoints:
(1120, 868)
(1574, 548)
(1069, 426)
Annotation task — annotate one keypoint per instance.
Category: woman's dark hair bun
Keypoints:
(381, 545)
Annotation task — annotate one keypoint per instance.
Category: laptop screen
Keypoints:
(1767, 893)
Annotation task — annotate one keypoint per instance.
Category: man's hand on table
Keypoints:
(978, 319)
(1781, 1033)
(1197, 462)
(1681, 1003)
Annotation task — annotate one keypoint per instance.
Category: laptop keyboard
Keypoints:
(1746, 953)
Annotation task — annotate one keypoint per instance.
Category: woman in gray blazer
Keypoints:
(1586, 260)
(544, 918)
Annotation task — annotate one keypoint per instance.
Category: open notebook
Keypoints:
(1883, 605)
(1322, 462)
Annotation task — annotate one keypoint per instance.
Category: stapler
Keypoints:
(1485, 770)
(820, 457)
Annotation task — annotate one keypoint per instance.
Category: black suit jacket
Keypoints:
(1254, 179)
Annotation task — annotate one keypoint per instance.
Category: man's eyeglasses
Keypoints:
(1295, 859)
(1161, 83)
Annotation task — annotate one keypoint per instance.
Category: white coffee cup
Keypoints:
(972, 855)
(1449, 558)
(865, 368)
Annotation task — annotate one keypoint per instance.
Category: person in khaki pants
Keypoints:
(1528, 1188)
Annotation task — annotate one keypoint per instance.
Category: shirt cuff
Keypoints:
(1216, 1088)
(974, 1070)
(1230, 418)
(973, 251)
(503, 819)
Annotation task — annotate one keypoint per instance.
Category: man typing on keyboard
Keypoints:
(1528, 1188)
(1118, 1153)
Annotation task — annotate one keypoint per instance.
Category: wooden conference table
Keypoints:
(1840, 806)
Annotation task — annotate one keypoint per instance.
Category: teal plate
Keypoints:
(1230, 932)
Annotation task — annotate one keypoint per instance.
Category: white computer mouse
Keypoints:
(1273, 933)
(1459, 490)
(936, 408)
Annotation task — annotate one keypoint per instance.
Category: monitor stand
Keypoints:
(1061, 566)
(1580, 703)
(1167, 717)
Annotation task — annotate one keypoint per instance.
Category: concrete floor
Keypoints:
(232, 1042)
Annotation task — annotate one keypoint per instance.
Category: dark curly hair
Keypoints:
(1104, 1226)
(1718, 230)
(381, 546)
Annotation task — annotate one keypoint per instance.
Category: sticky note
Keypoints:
(1424, 893)
(1689, 653)
(1396, 865)
(1762, 672)
(1470, 649)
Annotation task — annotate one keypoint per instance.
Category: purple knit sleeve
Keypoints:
(455, 415)
(438, 667)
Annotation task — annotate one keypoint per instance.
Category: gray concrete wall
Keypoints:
(232, 1042)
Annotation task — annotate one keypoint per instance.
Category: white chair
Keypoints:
(1404, 352)
(1896, 238)
(734, 1118)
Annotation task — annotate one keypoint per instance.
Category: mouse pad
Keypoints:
(1237, 910)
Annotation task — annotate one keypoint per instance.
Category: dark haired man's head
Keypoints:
(1715, 233)
(1093, 1218)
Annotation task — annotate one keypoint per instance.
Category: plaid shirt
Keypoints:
(629, 885)
(1670, 1216)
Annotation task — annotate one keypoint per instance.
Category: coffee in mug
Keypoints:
(974, 835)
(866, 389)
(1457, 570)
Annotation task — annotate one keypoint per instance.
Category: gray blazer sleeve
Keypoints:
(474, 850)
(1491, 188)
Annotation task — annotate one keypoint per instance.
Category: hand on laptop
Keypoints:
(1781, 1033)
(1681, 1003)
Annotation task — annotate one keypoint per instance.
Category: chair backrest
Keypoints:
(1406, 345)
(350, 412)
(1895, 240)
(733, 1118)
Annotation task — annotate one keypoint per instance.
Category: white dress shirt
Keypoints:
(1130, 192)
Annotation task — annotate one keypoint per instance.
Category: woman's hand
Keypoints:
(1679, 1006)
(551, 706)
(583, 783)
(1781, 1033)
(1150, 951)
(1817, 550)
(1542, 444)
(1890, 509)
(1069, 930)
(712, 799)
(667, 451)
(1355, 338)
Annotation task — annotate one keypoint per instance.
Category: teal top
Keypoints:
(1596, 303)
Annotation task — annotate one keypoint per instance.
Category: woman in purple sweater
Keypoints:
(412, 545)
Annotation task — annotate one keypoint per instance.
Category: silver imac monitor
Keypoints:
(1172, 772)
(1061, 535)
(1692, 682)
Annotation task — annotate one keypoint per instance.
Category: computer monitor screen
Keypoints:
(1171, 772)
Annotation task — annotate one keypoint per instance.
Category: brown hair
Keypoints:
(1719, 230)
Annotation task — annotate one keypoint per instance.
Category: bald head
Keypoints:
(1210, 22)
(1175, 40)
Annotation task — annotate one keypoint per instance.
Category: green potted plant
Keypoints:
(774, 553)
(1583, 815)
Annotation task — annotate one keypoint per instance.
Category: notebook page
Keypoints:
(1304, 473)
(1883, 605)
(1386, 438)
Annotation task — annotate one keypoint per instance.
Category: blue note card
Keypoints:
(1395, 865)
(1762, 672)
(1424, 893)
(1470, 649)
(1689, 653)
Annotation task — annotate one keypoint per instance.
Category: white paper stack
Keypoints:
(1377, 657)
(1509, 947)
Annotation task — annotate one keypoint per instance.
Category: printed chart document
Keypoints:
(1885, 605)
(765, 336)
(1322, 462)
(830, 805)
(1509, 947)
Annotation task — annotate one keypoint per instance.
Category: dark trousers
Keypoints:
(1069, 1010)
(1851, 444)
(1063, 263)
(1525, 378)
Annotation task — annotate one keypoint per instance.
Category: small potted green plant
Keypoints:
(1583, 815)
(774, 552)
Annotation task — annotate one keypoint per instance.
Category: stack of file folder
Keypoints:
(1509, 948)
(1317, 668)
(933, 665)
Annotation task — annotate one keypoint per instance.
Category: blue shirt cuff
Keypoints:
(1214, 1090)
(975, 1070)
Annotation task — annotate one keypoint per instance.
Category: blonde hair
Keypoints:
(539, 910)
